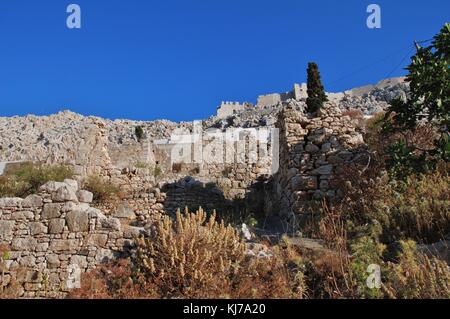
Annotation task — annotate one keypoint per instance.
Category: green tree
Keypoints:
(428, 103)
(139, 132)
(316, 92)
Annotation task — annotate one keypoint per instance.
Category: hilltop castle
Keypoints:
(298, 93)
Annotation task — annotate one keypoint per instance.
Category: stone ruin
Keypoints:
(311, 150)
(227, 109)
(60, 231)
(55, 236)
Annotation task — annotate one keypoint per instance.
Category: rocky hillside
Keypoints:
(95, 142)
(368, 99)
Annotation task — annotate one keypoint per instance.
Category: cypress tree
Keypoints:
(316, 92)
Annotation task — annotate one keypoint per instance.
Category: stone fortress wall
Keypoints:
(369, 99)
(311, 151)
(54, 236)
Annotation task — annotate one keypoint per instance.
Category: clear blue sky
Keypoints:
(178, 59)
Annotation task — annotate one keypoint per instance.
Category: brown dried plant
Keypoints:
(193, 256)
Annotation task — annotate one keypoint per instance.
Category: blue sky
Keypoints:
(178, 59)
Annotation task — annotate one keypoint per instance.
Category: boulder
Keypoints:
(99, 240)
(81, 261)
(311, 148)
(323, 170)
(131, 232)
(53, 261)
(111, 223)
(64, 244)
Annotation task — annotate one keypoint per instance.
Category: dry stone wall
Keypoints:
(311, 150)
(53, 236)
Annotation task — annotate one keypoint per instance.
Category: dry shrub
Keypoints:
(110, 281)
(194, 256)
(103, 190)
(330, 273)
(355, 115)
(418, 209)
(417, 276)
(25, 179)
(177, 167)
(280, 277)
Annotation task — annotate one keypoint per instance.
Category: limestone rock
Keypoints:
(64, 194)
(124, 211)
(131, 232)
(85, 196)
(99, 240)
(11, 202)
(27, 244)
(73, 184)
(56, 226)
(37, 228)
(58, 245)
(32, 201)
(51, 187)
(51, 210)
(77, 221)
(111, 223)
(6, 229)
(81, 261)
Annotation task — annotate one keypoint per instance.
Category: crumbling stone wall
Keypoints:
(53, 235)
(311, 150)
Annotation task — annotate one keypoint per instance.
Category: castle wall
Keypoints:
(227, 109)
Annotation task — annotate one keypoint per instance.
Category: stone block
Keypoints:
(64, 244)
(32, 201)
(73, 184)
(24, 244)
(37, 228)
(124, 211)
(64, 194)
(6, 229)
(56, 226)
(51, 210)
(85, 196)
(77, 221)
